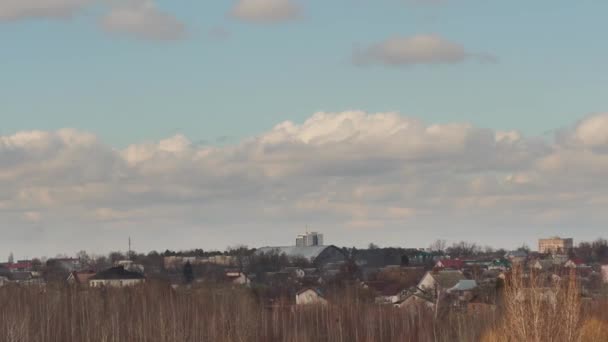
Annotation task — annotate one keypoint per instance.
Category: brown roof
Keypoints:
(82, 277)
(385, 288)
(447, 279)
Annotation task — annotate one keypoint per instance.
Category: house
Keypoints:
(386, 292)
(605, 273)
(129, 265)
(295, 272)
(415, 302)
(463, 286)
(436, 282)
(237, 278)
(116, 277)
(310, 296)
(454, 264)
(20, 277)
(500, 265)
(20, 266)
(463, 289)
(80, 277)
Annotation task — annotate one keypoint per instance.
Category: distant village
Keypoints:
(462, 276)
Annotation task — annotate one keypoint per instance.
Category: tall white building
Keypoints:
(309, 239)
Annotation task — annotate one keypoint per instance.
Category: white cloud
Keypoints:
(266, 11)
(418, 49)
(23, 9)
(593, 131)
(143, 19)
(335, 171)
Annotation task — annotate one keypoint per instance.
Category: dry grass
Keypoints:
(155, 312)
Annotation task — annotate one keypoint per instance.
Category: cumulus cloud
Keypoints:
(382, 172)
(143, 19)
(592, 131)
(266, 11)
(418, 49)
(24, 9)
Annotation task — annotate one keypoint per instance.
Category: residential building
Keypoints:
(80, 277)
(237, 278)
(129, 265)
(19, 266)
(116, 277)
(415, 302)
(436, 282)
(385, 292)
(555, 245)
(310, 297)
(463, 289)
(455, 264)
(309, 239)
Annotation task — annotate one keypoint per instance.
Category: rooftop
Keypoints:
(116, 273)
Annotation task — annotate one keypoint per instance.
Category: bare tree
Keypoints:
(438, 245)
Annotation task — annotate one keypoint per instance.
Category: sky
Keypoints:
(207, 124)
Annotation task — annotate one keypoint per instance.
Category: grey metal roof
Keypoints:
(464, 285)
(308, 252)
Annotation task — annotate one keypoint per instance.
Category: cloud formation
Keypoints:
(418, 49)
(136, 18)
(266, 11)
(143, 19)
(25, 9)
(383, 173)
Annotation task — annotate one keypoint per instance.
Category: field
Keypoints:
(156, 312)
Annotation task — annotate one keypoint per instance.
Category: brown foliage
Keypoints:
(157, 313)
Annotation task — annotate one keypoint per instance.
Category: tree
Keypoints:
(115, 257)
(372, 246)
(84, 258)
(438, 245)
(240, 252)
(188, 273)
(463, 249)
(524, 248)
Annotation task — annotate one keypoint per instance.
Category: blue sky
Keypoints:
(69, 73)
(456, 119)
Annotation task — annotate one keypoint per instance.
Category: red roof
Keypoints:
(19, 265)
(451, 263)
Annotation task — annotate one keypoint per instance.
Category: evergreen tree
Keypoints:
(188, 273)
